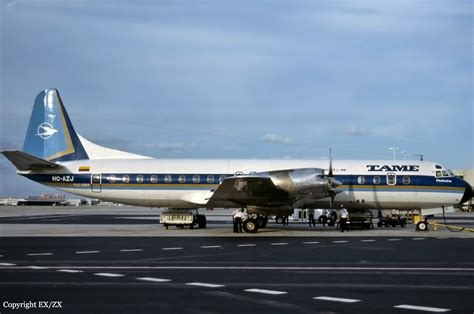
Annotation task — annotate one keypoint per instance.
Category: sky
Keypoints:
(244, 79)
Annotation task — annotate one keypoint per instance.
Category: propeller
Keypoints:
(332, 183)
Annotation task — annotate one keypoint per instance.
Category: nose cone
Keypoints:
(467, 194)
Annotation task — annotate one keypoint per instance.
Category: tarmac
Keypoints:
(144, 222)
(121, 260)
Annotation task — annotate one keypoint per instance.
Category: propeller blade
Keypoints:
(330, 174)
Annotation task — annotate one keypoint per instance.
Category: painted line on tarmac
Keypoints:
(204, 284)
(314, 242)
(368, 240)
(417, 239)
(152, 279)
(340, 241)
(171, 248)
(421, 308)
(279, 243)
(211, 247)
(344, 300)
(246, 245)
(409, 269)
(71, 271)
(108, 275)
(37, 267)
(39, 254)
(394, 239)
(264, 291)
(131, 250)
(87, 252)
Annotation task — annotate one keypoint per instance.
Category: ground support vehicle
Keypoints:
(182, 218)
(392, 220)
(361, 219)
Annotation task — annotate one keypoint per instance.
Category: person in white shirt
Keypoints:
(238, 216)
(343, 215)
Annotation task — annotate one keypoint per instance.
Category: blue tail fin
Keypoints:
(51, 135)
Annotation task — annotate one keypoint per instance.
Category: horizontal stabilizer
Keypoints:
(24, 161)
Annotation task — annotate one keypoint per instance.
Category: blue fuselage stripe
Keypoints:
(169, 181)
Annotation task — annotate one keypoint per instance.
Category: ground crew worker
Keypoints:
(238, 216)
(311, 217)
(234, 221)
(343, 215)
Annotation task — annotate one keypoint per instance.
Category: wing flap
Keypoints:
(24, 161)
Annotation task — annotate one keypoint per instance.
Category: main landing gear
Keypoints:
(252, 224)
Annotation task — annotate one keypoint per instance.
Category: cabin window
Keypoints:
(210, 179)
(96, 178)
(154, 179)
(361, 180)
(376, 180)
(222, 177)
(111, 178)
(126, 179)
(445, 174)
(406, 180)
(168, 178)
(182, 178)
(391, 179)
(439, 174)
(139, 178)
(196, 178)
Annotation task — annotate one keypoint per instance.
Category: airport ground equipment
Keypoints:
(437, 225)
(182, 218)
(394, 219)
(420, 218)
(361, 218)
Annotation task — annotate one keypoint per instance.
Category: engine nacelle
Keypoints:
(304, 185)
(299, 180)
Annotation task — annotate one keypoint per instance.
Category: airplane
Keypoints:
(56, 156)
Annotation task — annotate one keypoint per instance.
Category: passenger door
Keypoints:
(96, 182)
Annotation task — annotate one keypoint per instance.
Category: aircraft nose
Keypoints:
(467, 194)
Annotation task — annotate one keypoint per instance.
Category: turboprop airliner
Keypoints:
(55, 155)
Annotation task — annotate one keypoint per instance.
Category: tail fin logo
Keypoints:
(46, 130)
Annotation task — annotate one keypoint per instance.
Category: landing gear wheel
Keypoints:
(422, 226)
(165, 226)
(379, 224)
(279, 219)
(251, 226)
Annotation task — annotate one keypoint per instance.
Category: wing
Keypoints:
(298, 188)
(251, 190)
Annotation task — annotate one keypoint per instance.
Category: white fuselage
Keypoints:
(366, 184)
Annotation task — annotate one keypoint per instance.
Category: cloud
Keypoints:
(356, 131)
(167, 146)
(274, 138)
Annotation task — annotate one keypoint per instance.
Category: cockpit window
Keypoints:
(444, 173)
(438, 167)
